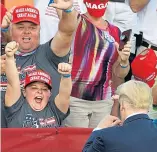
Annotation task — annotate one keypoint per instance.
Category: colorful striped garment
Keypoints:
(93, 54)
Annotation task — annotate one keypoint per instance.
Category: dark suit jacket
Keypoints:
(138, 134)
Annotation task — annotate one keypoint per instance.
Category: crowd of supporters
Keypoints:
(63, 60)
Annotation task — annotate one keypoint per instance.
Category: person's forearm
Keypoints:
(11, 72)
(62, 100)
(115, 109)
(61, 43)
(119, 73)
(121, 68)
(65, 87)
(13, 91)
(138, 5)
(94, 143)
(68, 22)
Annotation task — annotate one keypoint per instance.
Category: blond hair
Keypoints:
(136, 93)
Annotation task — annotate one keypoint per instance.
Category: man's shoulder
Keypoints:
(43, 49)
(111, 131)
(46, 44)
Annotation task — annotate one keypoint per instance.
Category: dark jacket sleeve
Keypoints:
(95, 143)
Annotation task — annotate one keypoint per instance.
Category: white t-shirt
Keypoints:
(118, 14)
(49, 19)
(147, 21)
(121, 15)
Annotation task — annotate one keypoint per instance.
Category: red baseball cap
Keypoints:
(38, 76)
(26, 13)
(144, 67)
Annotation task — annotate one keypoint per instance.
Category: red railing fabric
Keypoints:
(44, 140)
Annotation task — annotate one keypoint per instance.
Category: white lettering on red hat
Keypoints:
(33, 73)
(21, 15)
(39, 75)
(31, 15)
(94, 6)
(31, 10)
(44, 74)
(26, 15)
(151, 77)
(20, 10)
(34, 78)
(44, 79)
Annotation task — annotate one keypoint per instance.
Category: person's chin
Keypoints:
(26, 50)
(37, 108)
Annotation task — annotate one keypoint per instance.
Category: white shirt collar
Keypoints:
(134, 114)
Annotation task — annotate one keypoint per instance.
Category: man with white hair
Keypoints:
(135, 131)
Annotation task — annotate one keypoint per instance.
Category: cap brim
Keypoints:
(38, 81)
(26, 20)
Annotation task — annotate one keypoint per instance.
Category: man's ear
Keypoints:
(122, 106)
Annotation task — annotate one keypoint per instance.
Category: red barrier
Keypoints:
(44, 140)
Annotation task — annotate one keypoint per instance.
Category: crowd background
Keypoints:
(75, 66)
(118, 14)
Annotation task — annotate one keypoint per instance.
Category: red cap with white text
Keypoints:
(38, 76)
(26, 13)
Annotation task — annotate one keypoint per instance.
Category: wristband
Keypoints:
(66, 75)
(4, 29)
(123, 66)
(69, 10)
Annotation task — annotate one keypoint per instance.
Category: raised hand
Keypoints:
(64, 68)
(11, 48)
(125, 53)
(7, 18)
(62, 4)
(115, 98)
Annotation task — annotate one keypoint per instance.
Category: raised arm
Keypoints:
(96, 142)
(61, 43)
(13, 91)
(138, 5)
(62, 100)
(7, 18)
(121, 67)
(116, 106)
(59, 11)
(2, 62)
